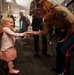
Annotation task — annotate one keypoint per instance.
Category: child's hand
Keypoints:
(29, 33)
(26, 34)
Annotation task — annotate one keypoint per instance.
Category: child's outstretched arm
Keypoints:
(10, 32)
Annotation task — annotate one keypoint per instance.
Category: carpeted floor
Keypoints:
(40, 66)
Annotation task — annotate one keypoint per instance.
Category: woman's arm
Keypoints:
(69, 32)
(41, 32)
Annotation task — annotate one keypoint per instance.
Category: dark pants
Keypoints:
(37, 25)
(64, 54)
(50, 34)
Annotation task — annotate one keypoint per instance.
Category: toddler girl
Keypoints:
(8, 52)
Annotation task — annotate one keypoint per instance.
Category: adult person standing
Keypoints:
(61, 18)
(37, 22)
(23, 22)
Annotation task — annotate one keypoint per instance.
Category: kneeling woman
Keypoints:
(59, 17)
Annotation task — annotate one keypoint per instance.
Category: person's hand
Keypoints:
(61, 40)
(29, 33)
(26, 34)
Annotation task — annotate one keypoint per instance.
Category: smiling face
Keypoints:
(10, 23)
(7, 22)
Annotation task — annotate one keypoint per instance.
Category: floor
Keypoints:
(40, 66)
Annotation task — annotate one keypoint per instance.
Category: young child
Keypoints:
(8, 52)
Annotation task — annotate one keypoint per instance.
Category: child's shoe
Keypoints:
(14, 71)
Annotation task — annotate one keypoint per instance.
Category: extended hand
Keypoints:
(29, 33)
(26, 34)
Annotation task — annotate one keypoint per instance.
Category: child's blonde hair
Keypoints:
(4, 20)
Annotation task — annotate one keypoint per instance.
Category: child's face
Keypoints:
(10, 24)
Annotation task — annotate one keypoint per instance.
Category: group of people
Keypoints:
(61, 18)
(37, 24)
(45, 16)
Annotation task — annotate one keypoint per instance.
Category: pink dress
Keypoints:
(8, 52)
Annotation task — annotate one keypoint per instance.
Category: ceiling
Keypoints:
(18, 5)
(26, 3)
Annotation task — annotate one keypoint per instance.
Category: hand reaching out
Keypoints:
(29, 33)
(26, 34)
(32, 33)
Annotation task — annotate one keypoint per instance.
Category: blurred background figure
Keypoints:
(37, 24)
(24, 22)
(10, 14)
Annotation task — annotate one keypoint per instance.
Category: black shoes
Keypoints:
(38, 55)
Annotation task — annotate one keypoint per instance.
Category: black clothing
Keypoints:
(37, 25)
(64, 51)
(24, 24)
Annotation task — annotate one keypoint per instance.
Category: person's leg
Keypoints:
(59, 59)
(68, 59)
(36, 44)
(10, 66)
(65, 50)
(67, 65)
(50, 35)
(44, 40)
(44, 44)
(35, 27)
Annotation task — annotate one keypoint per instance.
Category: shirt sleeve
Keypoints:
(10, 32)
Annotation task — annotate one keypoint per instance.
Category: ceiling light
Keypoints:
(23, 2)
(8, 0)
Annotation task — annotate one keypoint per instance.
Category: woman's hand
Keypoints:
(26, 34)
(61, 40)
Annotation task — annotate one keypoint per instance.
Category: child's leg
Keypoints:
(10, 66)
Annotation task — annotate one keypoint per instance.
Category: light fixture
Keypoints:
(8, 0)
(23, 2)
(56, 1)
